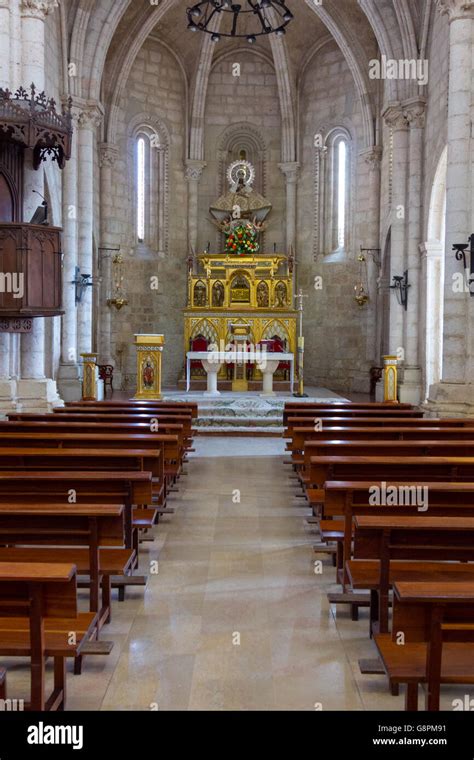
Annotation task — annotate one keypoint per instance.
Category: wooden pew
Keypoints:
(378, 468)
(39, 619)
(174, 448)
(293, 408)
(191, 406)
(106, 419)
(374, 422)
(382, 447)
(167, 445)
(437, 622)
(388, 549)
(90, 536)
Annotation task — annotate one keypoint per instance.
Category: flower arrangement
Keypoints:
(242, 241)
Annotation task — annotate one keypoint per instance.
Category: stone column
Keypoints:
(89, 120)
(107, 156)
(5, 31)
(68, 374)
(431, 305)
(455, 393)
(290, 169)
(396, 118)
(193, 173)
(34, 390)
(371, 239)
(411, 388)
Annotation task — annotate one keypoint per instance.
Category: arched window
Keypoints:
(332, 180)
(140, 188)
(341, 193)
(148, 157)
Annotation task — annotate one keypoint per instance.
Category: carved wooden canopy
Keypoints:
(32, 121)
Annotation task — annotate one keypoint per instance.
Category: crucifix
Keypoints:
(299, 298)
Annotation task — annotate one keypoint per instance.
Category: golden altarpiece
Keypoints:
(240, 291)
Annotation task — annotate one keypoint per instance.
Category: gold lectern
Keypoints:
(390, 381)
(149, 348)
(89, 377)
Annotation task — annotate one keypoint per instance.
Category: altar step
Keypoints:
(279, 386)
(246, 415)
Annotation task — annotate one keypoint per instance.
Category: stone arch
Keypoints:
(250, 138)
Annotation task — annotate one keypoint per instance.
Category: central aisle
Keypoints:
(235, 564)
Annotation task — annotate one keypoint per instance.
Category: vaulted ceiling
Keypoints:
(106, 36)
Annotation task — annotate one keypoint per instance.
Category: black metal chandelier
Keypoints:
(255, 15)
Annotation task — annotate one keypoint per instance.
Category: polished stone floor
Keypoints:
(236, 617)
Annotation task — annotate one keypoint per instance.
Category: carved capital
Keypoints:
(456, 9)
(395, 116)
(194, 169)
(415, 111)
(90, 118)
(373, 157)
(37, 8)
(107, 154)
(291, 170)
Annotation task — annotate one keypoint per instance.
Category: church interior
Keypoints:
(236, 355)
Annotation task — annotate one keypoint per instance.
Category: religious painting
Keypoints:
(281, 295)
(263, 295)
(148, 373)
(218, 294)
(200, 294)
(240, 289)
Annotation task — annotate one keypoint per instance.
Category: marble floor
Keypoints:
(236, 618)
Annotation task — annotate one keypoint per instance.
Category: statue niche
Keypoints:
(281, 296)
(218, 294)
(263, 295)
(200, 294)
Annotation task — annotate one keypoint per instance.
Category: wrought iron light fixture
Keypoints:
(81, 282)
(119, 298)
(400, 286)
(460, 254)
(250, 19)
(361, 289)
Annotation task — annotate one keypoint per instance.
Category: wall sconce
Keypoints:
(362, 287)
(81, 282)
(119, 299)
(400, 286)
(461, 249)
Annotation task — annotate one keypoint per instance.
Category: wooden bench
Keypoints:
(382, 447)
(437, 623)
(388, 549)
(39, 619)
(167, 445)
(90, 536)
(191, 406)
(378, 468)
(293, 408)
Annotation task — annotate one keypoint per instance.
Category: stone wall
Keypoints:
(336, 328)
(155, 93)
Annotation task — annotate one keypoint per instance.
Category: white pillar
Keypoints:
(370, 238)
(411, 386)
(396, 118)
(193, 173)
(107, 156)
(5, 32)
(68, 374)
(89, 120)
(455, 393)
(431, 312)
